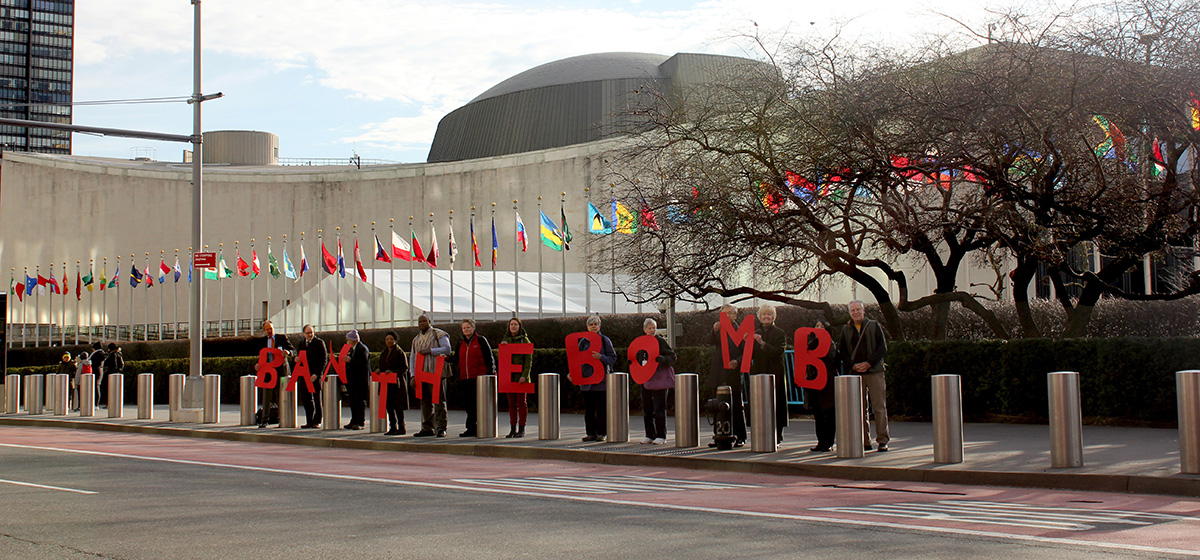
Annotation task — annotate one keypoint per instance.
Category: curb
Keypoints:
(1175, 485)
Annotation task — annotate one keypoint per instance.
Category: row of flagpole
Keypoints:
(552, 235)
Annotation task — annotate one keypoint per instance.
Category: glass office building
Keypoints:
(36, 57)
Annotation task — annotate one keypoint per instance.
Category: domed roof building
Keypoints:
(569, 101)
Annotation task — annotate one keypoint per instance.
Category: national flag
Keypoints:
(597, 224)
(255, 267)
(521, 237)
(328, 263)
(341, 259)
(272, 265)
(30, 284)
(42, 282)
(474, 243)
(648, 220)
(112, 282)
(551, 235)
(16, 288)
(135, 276)
(416, 247)
(381, 254)
(78, 286)
(53, 284)
(103, 279)
(400, 248)
(179, 272)
(431, 258)
(224, 271)
(164, 270)
(623, 219)
(149, 277)
(567, 237)
(303, 262)
(88, 281)
(66, 279)
(453, 246)
(243, 267)
(288, 269)
(362, 273)
(495, 244)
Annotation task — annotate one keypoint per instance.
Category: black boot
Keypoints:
(512, 432)
(520, 431)
(392, 430)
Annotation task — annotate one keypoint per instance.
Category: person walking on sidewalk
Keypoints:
(318, 357)
(518, 403)
(595, 414)
(654, 390)
(862, 346)
(431, 342)
(473, 358)
(394, 360)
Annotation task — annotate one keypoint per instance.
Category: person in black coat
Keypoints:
(732, 376)
(823, 399)
(97, 359)
(318, 357)
(358, 374)
(394, 359)
(271, 340)
(113, 363)
(770, 343)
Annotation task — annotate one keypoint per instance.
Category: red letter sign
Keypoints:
(383, 378)
(744, 335)
(434, 378)
(802, 357)
(339, 362)
(508, 368)
(641, 373)
(268, 360)
(301, 371)
(576, 358)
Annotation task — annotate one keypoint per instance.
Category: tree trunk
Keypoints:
(1022, 276)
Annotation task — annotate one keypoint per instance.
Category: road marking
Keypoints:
(602, 484)
(1034, 539)
(1012, 515)
(46, 486)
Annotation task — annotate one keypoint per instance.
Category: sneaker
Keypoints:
(423, 433)
(883, 448)
(659, 441)
(647, 441)
(589, 438)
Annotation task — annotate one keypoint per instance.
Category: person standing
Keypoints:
(863, 345)
(271, 340)
(654, 390)
(595, 414)
(823, 399)
(472, 358)
(358, 373)
(731, 376)
(97, 359)
(770, 342)
(431, 342)
(113, 363)
(68, 366)
(318, 357)
(394, 360)
(518, 403)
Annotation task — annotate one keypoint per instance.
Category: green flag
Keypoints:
(272, 265)
(565, 229)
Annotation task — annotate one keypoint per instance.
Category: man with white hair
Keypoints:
(862, 346)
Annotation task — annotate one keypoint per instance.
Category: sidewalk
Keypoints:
(1134, 460)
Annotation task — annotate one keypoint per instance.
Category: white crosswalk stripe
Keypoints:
(1012, 515)
(615, 484)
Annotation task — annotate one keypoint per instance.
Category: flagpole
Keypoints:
(175, 303)
(450, 252)
(430, 253)
(357, 257)
(236, 287)
(474, 251)
(24, 311)
(104, 305)
(541, 271)
(337, 285)
(392, 268)
(268, 281)
(62, 331)
(284, 304)
(374, 303)
(221, 294)
(320, 292)
(132, 318)
(517, 267)
(495, 310)
(146, 311)
(587, 257)
(162, 259)
(300, 277)
(38, 309)
(252, 276)
(78, 296)
(92, 300)
(563, 214)
(411, 292)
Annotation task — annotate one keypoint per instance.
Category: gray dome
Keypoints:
(584, 68)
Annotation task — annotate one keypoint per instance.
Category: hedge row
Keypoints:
(1128, 381)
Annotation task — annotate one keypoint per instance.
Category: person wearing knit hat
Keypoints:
(358, 372)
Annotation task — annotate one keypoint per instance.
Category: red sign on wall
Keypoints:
(204, 260)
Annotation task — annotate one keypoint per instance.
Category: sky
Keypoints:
(374, 77)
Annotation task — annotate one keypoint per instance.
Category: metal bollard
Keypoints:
(687, 410)
(1187, 396)
(332, 406)
(549, 407)
(375, 424)
(947, 419)
(486, 396)
(248, 400)
(116, 395)
(12, 393)
(618, 407)
(212, 399)
(287, 402)
(48, 392)
(1066, 419)
(62, 388)
(175, 383)
(34, 402)
(848, 402)
(145, 396)
(87, 394)
(762, 413)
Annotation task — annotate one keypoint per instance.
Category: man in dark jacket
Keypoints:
(318, 356)
(271, 340)
(113, 363)
(358, 374)
(473, 357)
(770, 342)
(862, 346)
(97, 359)
(394, 360)
(731, 376)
